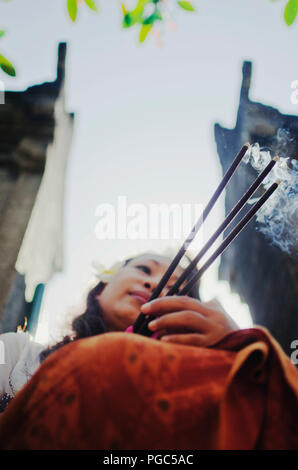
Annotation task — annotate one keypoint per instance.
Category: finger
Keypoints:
(195, 339)
(216, 306)
(185, 320)
(213, 303)
(175, 303)
(161, 333)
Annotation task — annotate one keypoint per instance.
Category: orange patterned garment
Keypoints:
(125, 391)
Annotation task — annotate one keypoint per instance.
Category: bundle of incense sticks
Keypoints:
(141, 324)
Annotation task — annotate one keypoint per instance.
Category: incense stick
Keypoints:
(233, 234)
(229, 218)
(226, 178)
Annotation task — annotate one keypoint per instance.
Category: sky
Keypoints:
(144, 116)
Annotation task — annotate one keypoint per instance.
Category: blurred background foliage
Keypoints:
(143, 16)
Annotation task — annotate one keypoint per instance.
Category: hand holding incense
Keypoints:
(226, 178)
(234, 233)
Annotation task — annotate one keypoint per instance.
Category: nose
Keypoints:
(152, 284)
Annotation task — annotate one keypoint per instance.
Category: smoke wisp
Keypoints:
(278, 218)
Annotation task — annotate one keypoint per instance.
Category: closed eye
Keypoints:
(144, 268)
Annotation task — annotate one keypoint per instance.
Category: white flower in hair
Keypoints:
(105, 274)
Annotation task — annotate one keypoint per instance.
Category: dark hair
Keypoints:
(90, 323)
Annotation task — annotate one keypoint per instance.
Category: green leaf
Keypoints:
(155, 16)
(291, 11)
(144, 31)
(158, 15)
(124, 11)
(72, 8)
(128, 20)
(7, 66)
(186, 6)
(91, 4)
(131, 18)
(139, 9)
(149, 20)
(136, 16)
(2, 33)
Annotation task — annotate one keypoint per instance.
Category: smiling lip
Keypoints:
(142, 296)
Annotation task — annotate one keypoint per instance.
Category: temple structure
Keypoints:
(35, 137)
(264, 276)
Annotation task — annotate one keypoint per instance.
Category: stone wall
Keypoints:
(265, 277)
(27, 127)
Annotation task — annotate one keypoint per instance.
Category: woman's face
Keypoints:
(131, 287)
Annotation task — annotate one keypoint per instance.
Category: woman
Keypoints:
(203, 385)
(113, 306)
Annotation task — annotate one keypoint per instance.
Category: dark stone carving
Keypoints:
(265, 277)
(27, 122)
(27, 127)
